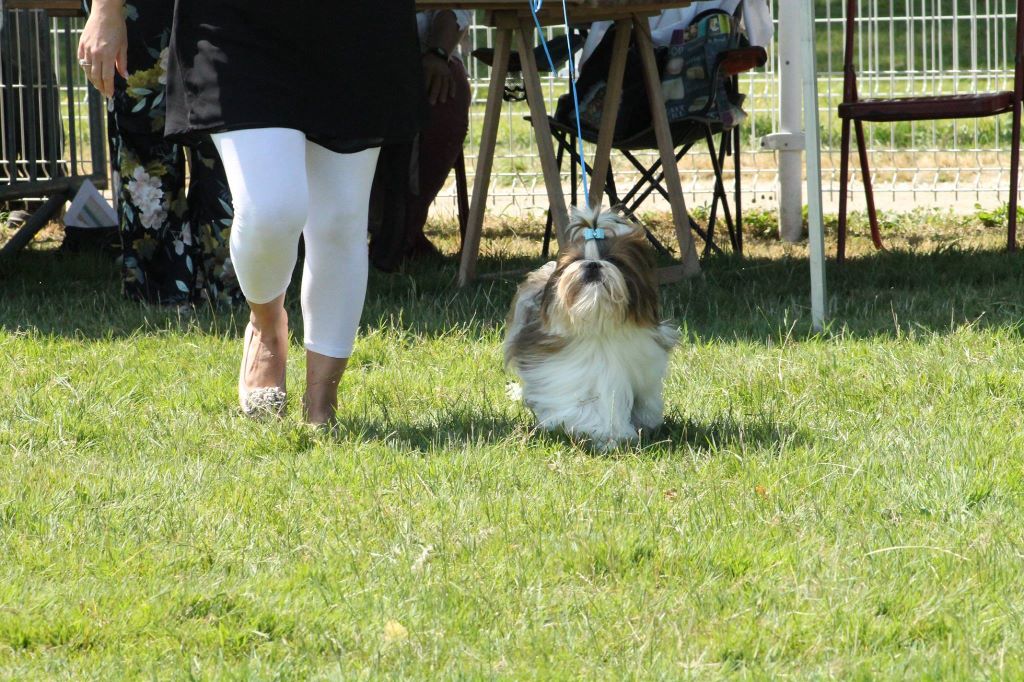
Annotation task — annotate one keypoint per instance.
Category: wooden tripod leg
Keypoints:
(550, 223)
(687, 247)
(485, 161)
(610, 112)
(542, 129)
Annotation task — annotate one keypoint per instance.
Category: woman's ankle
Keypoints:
(320, 416)
(320, 403)
(323, 377)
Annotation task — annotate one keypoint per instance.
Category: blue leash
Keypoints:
(534, 8)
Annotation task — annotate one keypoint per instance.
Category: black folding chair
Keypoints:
(652, 177)
(686, 133)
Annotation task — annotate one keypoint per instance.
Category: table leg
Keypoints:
(485, 160)
(610, 112)
(687, 248)
(541, 128)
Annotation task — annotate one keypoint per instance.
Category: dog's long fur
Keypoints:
(585, 335)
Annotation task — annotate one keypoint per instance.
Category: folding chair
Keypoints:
(686, 132)
(514, 92)
(855, 111)
(557, 48)
(651, 179)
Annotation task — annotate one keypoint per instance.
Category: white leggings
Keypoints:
(283, 186)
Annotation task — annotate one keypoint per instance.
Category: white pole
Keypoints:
(789, 141)
(815, 219)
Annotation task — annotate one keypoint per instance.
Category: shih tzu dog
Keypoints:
(585, 336)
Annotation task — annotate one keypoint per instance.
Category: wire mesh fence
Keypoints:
(904, 47)
(926, 47)
(51, 124)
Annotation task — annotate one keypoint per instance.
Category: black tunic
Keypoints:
(347, 74)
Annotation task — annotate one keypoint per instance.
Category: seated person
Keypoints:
(757, 20)
(410, 178)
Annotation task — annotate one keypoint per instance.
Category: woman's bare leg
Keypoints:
(323, 376)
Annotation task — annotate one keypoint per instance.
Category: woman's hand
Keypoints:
(104, 45)
(440, 84)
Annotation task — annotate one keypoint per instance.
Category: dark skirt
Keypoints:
(347, 74)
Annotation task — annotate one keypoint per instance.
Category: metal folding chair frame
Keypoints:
(652, 179)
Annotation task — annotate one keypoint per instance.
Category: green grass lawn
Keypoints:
(845, 505)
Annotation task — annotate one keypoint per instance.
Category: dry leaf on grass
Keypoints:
(395, 631)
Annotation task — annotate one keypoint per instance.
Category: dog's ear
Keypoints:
(635, 260)
(539, 277)
(644, 309)
(529, 294)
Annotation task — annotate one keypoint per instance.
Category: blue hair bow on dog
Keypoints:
(589, 234)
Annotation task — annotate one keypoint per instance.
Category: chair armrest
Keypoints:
(486, 55)
(732, 63)
(556, 46)
(741, 60)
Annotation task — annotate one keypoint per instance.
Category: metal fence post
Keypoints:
(815, 215)
(789, 141)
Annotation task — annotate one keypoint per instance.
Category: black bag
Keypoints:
(692, 58)
(691, 84)
(592, 84)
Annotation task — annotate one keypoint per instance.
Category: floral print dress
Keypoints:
(174, 203)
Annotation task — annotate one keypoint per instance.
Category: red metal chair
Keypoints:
(855, 111)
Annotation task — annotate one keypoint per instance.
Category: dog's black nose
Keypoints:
(591, 271)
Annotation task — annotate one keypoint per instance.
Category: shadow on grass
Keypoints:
(438, 434)
(757, 299)
(674, 437)
(759, 433)
(470, 427)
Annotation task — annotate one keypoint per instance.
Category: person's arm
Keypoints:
(445, 31)
(442, 37)
(104, 45)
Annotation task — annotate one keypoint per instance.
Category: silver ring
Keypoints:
(84, 62)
